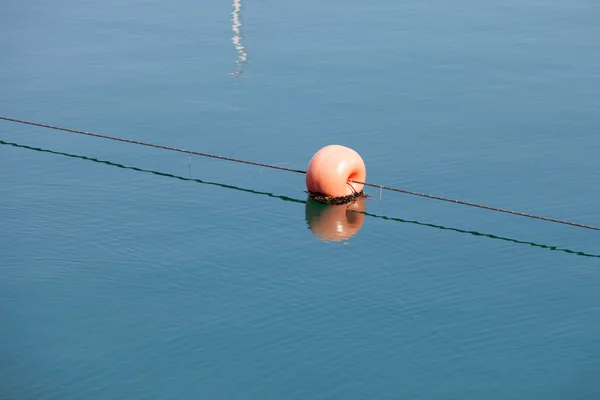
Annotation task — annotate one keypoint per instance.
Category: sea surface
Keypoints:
(130, 272)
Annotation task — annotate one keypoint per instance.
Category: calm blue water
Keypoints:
(210, 281)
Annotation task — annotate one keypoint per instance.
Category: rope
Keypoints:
(466, 203)
(197, 153)
(293, 200)
(381, 187)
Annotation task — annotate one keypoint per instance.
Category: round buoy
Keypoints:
(335, 223)
(328, 173)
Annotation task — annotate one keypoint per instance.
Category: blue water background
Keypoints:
(119, 283)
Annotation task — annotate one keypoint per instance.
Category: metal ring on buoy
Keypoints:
(328, 173)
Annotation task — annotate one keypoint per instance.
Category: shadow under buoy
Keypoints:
(335, 223)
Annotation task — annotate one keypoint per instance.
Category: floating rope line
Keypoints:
(158, 146)
(381, 187)
(293, 200)
(466, 203)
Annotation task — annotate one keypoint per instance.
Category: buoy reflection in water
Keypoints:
(335, 223)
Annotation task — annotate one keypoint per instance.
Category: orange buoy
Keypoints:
(335, 223)
(330, 169)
